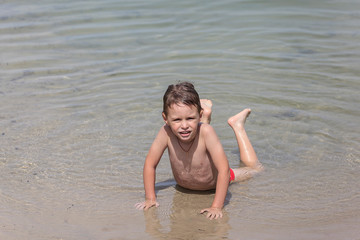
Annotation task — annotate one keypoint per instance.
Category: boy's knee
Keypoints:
(259, 168)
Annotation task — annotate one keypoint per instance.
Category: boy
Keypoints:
(197, 158)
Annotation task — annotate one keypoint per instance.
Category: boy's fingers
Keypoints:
(211, 215)
(139, 206)
(214, 216)
(151, 205)
(145, 206)
(204, 210)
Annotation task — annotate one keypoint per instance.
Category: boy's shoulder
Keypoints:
(206, 129)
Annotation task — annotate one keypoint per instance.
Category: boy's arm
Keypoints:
(214, 147)
(152, 159)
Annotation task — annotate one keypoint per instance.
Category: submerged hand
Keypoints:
(212, 213)
(146, 204)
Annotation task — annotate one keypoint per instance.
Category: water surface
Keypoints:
(80, 102)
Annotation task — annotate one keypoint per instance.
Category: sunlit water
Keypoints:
(81, 85)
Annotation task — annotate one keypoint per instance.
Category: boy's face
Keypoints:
(183, 121)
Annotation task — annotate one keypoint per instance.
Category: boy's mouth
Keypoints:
(185, 134)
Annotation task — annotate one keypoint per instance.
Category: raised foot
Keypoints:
(238, 120)
(206, 105)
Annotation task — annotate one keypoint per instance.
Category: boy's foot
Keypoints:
(238, 121)
(206, 105)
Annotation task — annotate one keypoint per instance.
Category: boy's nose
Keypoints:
(184, 125)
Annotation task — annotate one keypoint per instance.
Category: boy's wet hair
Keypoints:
(182, 92)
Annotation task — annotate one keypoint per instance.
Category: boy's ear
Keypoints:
(201, 113)
(164, 117)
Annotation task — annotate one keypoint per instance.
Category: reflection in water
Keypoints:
(183, 219)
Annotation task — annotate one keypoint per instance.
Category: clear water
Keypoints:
(80, 102)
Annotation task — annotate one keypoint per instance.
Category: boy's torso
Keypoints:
(193, 169)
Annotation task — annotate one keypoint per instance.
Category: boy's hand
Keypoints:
(212, 213)
(146, 204)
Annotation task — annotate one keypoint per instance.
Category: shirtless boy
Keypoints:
(197, 158)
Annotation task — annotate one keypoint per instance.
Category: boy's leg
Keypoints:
(206, 105)
(247, 152)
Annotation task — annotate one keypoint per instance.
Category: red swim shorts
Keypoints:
(232, 175)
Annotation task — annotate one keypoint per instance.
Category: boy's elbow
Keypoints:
(225, 172)
(149, 167)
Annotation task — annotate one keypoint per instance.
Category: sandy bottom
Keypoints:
(114, 217)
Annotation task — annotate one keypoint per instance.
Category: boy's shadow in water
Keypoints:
(182, 218)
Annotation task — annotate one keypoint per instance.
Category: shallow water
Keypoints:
(80, 102)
